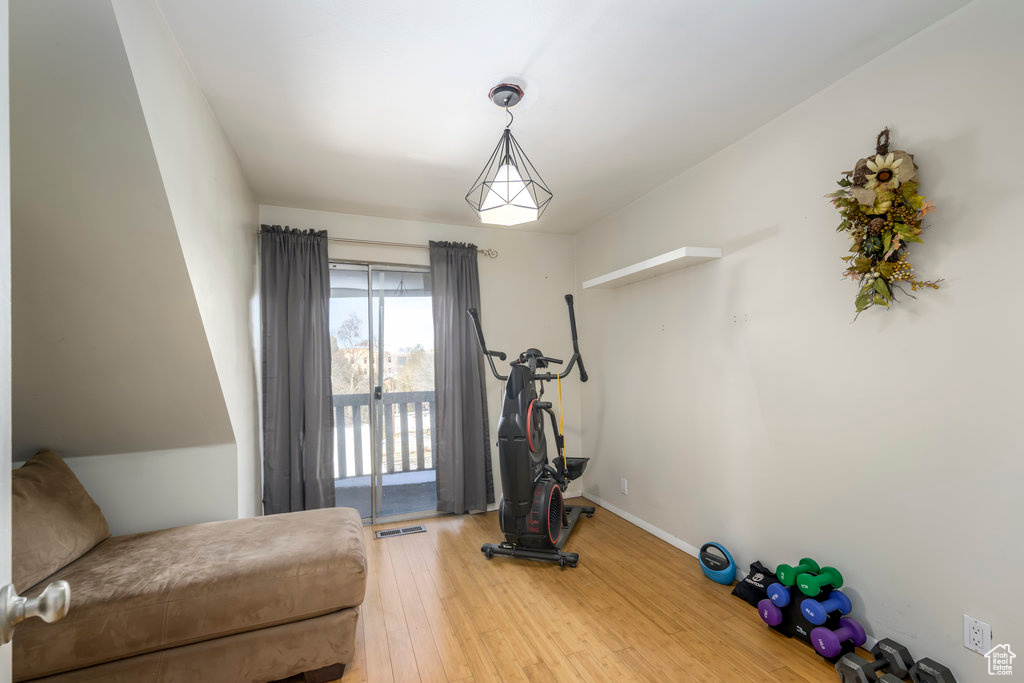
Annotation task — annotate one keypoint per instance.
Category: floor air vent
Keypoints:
(404, 531)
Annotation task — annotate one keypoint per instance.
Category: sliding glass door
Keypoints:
(382, 373)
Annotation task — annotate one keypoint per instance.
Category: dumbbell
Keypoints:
(817, 612)
(829, 643)
(778, 594)
(811, 584)
(769, 613)
(890, 656)
(787, 574)
(929, 671)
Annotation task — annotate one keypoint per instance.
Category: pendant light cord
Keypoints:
(509, 112)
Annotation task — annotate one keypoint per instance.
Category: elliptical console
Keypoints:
(532, 515)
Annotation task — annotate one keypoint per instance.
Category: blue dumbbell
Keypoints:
(817, 612)
(778, 594)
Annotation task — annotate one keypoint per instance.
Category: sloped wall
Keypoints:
(215, 216)
(890, 447)
(110, 355)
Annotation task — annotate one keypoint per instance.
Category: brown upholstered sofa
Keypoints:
(252, 600)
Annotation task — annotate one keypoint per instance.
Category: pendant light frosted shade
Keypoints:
(507, 201)
(509, 191)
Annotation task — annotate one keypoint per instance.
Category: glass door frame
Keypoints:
(377, 425)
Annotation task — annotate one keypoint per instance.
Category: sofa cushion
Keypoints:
(53, 519)
(272, 653)
(161, 589)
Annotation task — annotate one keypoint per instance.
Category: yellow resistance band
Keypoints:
(561, 426)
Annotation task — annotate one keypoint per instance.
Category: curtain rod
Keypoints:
(489, 253)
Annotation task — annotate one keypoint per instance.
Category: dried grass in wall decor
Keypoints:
(882, 212)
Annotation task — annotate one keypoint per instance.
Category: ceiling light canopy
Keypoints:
(509, 191)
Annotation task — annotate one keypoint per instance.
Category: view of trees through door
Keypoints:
(411, 369)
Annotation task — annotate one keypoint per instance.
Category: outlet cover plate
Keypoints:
(977, 635)
(623, 486)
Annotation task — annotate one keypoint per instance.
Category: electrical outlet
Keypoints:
(624, 486)
(977, 635)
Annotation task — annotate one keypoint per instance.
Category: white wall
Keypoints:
(533, 270)
(160, 489)
(889, 447)
(215, 215)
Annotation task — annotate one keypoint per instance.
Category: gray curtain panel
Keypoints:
(462, 447)
(298, 465)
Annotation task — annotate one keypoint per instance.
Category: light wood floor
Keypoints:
(635, 609)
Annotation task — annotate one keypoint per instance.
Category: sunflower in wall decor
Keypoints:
(882, 212)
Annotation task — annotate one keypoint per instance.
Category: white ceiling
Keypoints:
(380, 108)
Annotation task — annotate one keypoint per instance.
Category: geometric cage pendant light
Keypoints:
(509, 190)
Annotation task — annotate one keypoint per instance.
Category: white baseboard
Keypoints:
(670, 539)
(646, 526)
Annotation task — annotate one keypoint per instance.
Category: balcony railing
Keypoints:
(401, 451)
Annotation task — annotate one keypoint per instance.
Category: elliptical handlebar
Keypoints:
(575, 342)
(576, 357)
(574, 360)
(489, 355)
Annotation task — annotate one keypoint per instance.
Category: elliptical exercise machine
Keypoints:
(532, 515)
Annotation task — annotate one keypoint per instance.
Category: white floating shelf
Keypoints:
(684, 257)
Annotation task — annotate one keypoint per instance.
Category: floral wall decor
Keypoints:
(882, 212)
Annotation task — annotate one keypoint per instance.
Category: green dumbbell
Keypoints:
(811, 584)
(787, 575)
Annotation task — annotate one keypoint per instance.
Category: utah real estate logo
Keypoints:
(1000, 660)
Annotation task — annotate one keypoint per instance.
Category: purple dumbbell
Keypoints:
(778, 594)
(770, 614)
(817, 612)
(829, 643)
